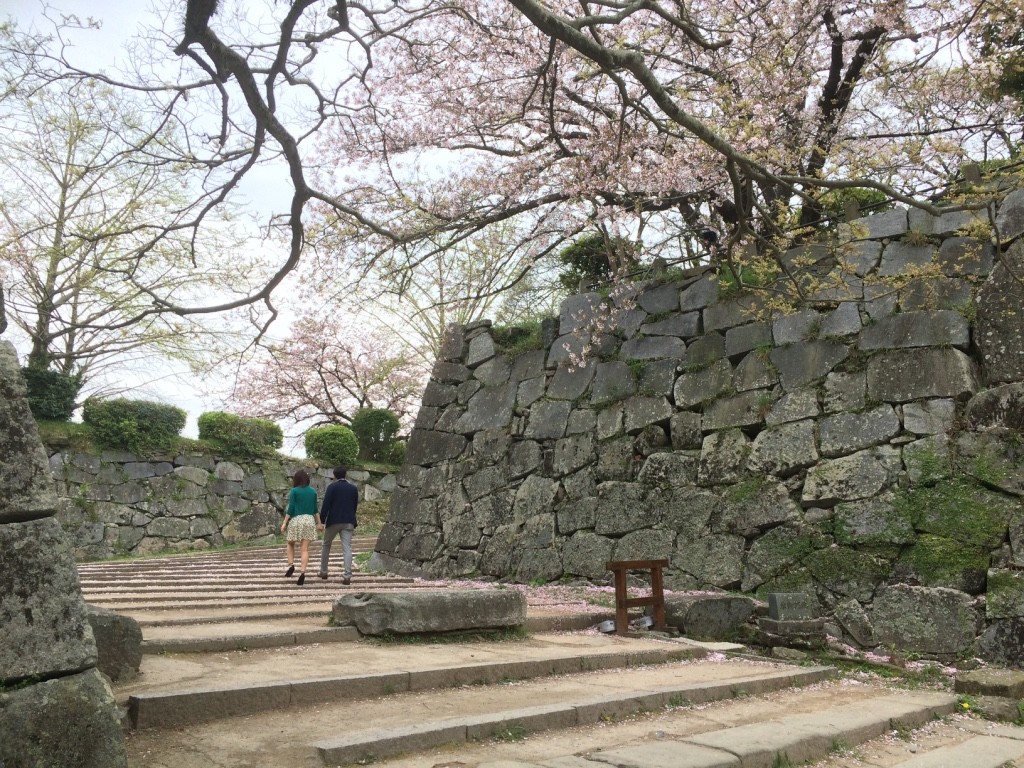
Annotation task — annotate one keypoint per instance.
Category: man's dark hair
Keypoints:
(340, 472)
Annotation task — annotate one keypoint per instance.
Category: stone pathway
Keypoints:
(267, 683)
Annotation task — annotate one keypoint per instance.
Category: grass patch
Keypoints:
(372, 515)
(515, 340)
(511, 733)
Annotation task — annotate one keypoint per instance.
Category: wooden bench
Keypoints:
(623, 602)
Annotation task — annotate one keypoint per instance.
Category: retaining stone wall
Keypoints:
(118, 504)
(56, 708)
(849, 449)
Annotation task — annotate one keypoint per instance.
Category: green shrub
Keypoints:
(135, 425)
(334, 445)
(375, 429)
(396, 453)
(240, 436)
(51, 394)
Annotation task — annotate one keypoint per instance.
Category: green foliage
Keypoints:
(239, 436)
(868, 200)
(957, 509)
(511, 733)
(756, 274)
(51, 394)
(134, 425)
(372, 515)
(514, 340)
(588, 259)
(375, 429)
(65, 434)
(334, 445)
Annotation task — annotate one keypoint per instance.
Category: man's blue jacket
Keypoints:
(340, 502)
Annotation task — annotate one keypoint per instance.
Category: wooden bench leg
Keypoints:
(621, 612)
(658, 593)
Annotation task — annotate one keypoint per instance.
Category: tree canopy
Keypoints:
(408, 129)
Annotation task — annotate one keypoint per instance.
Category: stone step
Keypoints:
(789, 740)
(978, 752)
(175, 709)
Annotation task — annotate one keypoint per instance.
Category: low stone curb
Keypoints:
(248, 642)
(181, 708)
(383, 743)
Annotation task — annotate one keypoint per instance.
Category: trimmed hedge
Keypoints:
(375, 429)
(51, 394)
(240, 436)
(334, 445)
(134, 425)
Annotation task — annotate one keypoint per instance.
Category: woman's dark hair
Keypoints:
(300, 478)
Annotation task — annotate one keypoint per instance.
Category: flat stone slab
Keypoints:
(979, 752)
(381, 613)
(992, 682)
(416, 737)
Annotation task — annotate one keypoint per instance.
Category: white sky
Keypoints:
(266, 189)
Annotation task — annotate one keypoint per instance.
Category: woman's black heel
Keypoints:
(302, 578)
(290, 571)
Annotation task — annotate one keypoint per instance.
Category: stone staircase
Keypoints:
(266, 683)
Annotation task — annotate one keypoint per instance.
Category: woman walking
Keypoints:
(300, 521)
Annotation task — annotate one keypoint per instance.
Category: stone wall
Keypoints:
(116, 503)
(56, 709)
(861, 446)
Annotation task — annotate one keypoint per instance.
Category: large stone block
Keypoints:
(794, 406)
(572, 453)
(428, 611)
(700, 294)
(723, 458)
(118, 643)
(702, 386)
(1002, 642)
(579, 312)
(785, 449)
(703, 351)
(858, 476)
(653, 348)
(898, 257)
(935, 293)
(45, 628)
(754, 506)
(26, 485)
(877, 226)
(997, 408)
(999, 329)
(682, 325)
(929, 620)
(1004, 598)
(570, 382)
(623, 508)
(872, 522)
(639, 412)
(715, 560)
(1010, 219)
(490, 408)
(69, 721)
(960, 256)
(612, 381)
(917, 374)
(585, 554)
(754, 371)
(742, 410)
(846, 433)
(547, 420)
(941, 328)
(708, 617)
(659, 298)
(801, 364)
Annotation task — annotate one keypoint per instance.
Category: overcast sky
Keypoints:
(105, 49)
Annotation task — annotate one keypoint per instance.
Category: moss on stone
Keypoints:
(957, 509)
(847, 571)
(940, 561)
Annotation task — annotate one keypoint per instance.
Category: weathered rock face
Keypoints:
(118, 643)
(56, 709)
(430, 611)
(67, 721)
(838, 450)
(26, 489)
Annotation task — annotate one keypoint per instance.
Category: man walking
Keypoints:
(338, 516)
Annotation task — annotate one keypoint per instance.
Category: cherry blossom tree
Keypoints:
(327, 369)
(408, 129)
